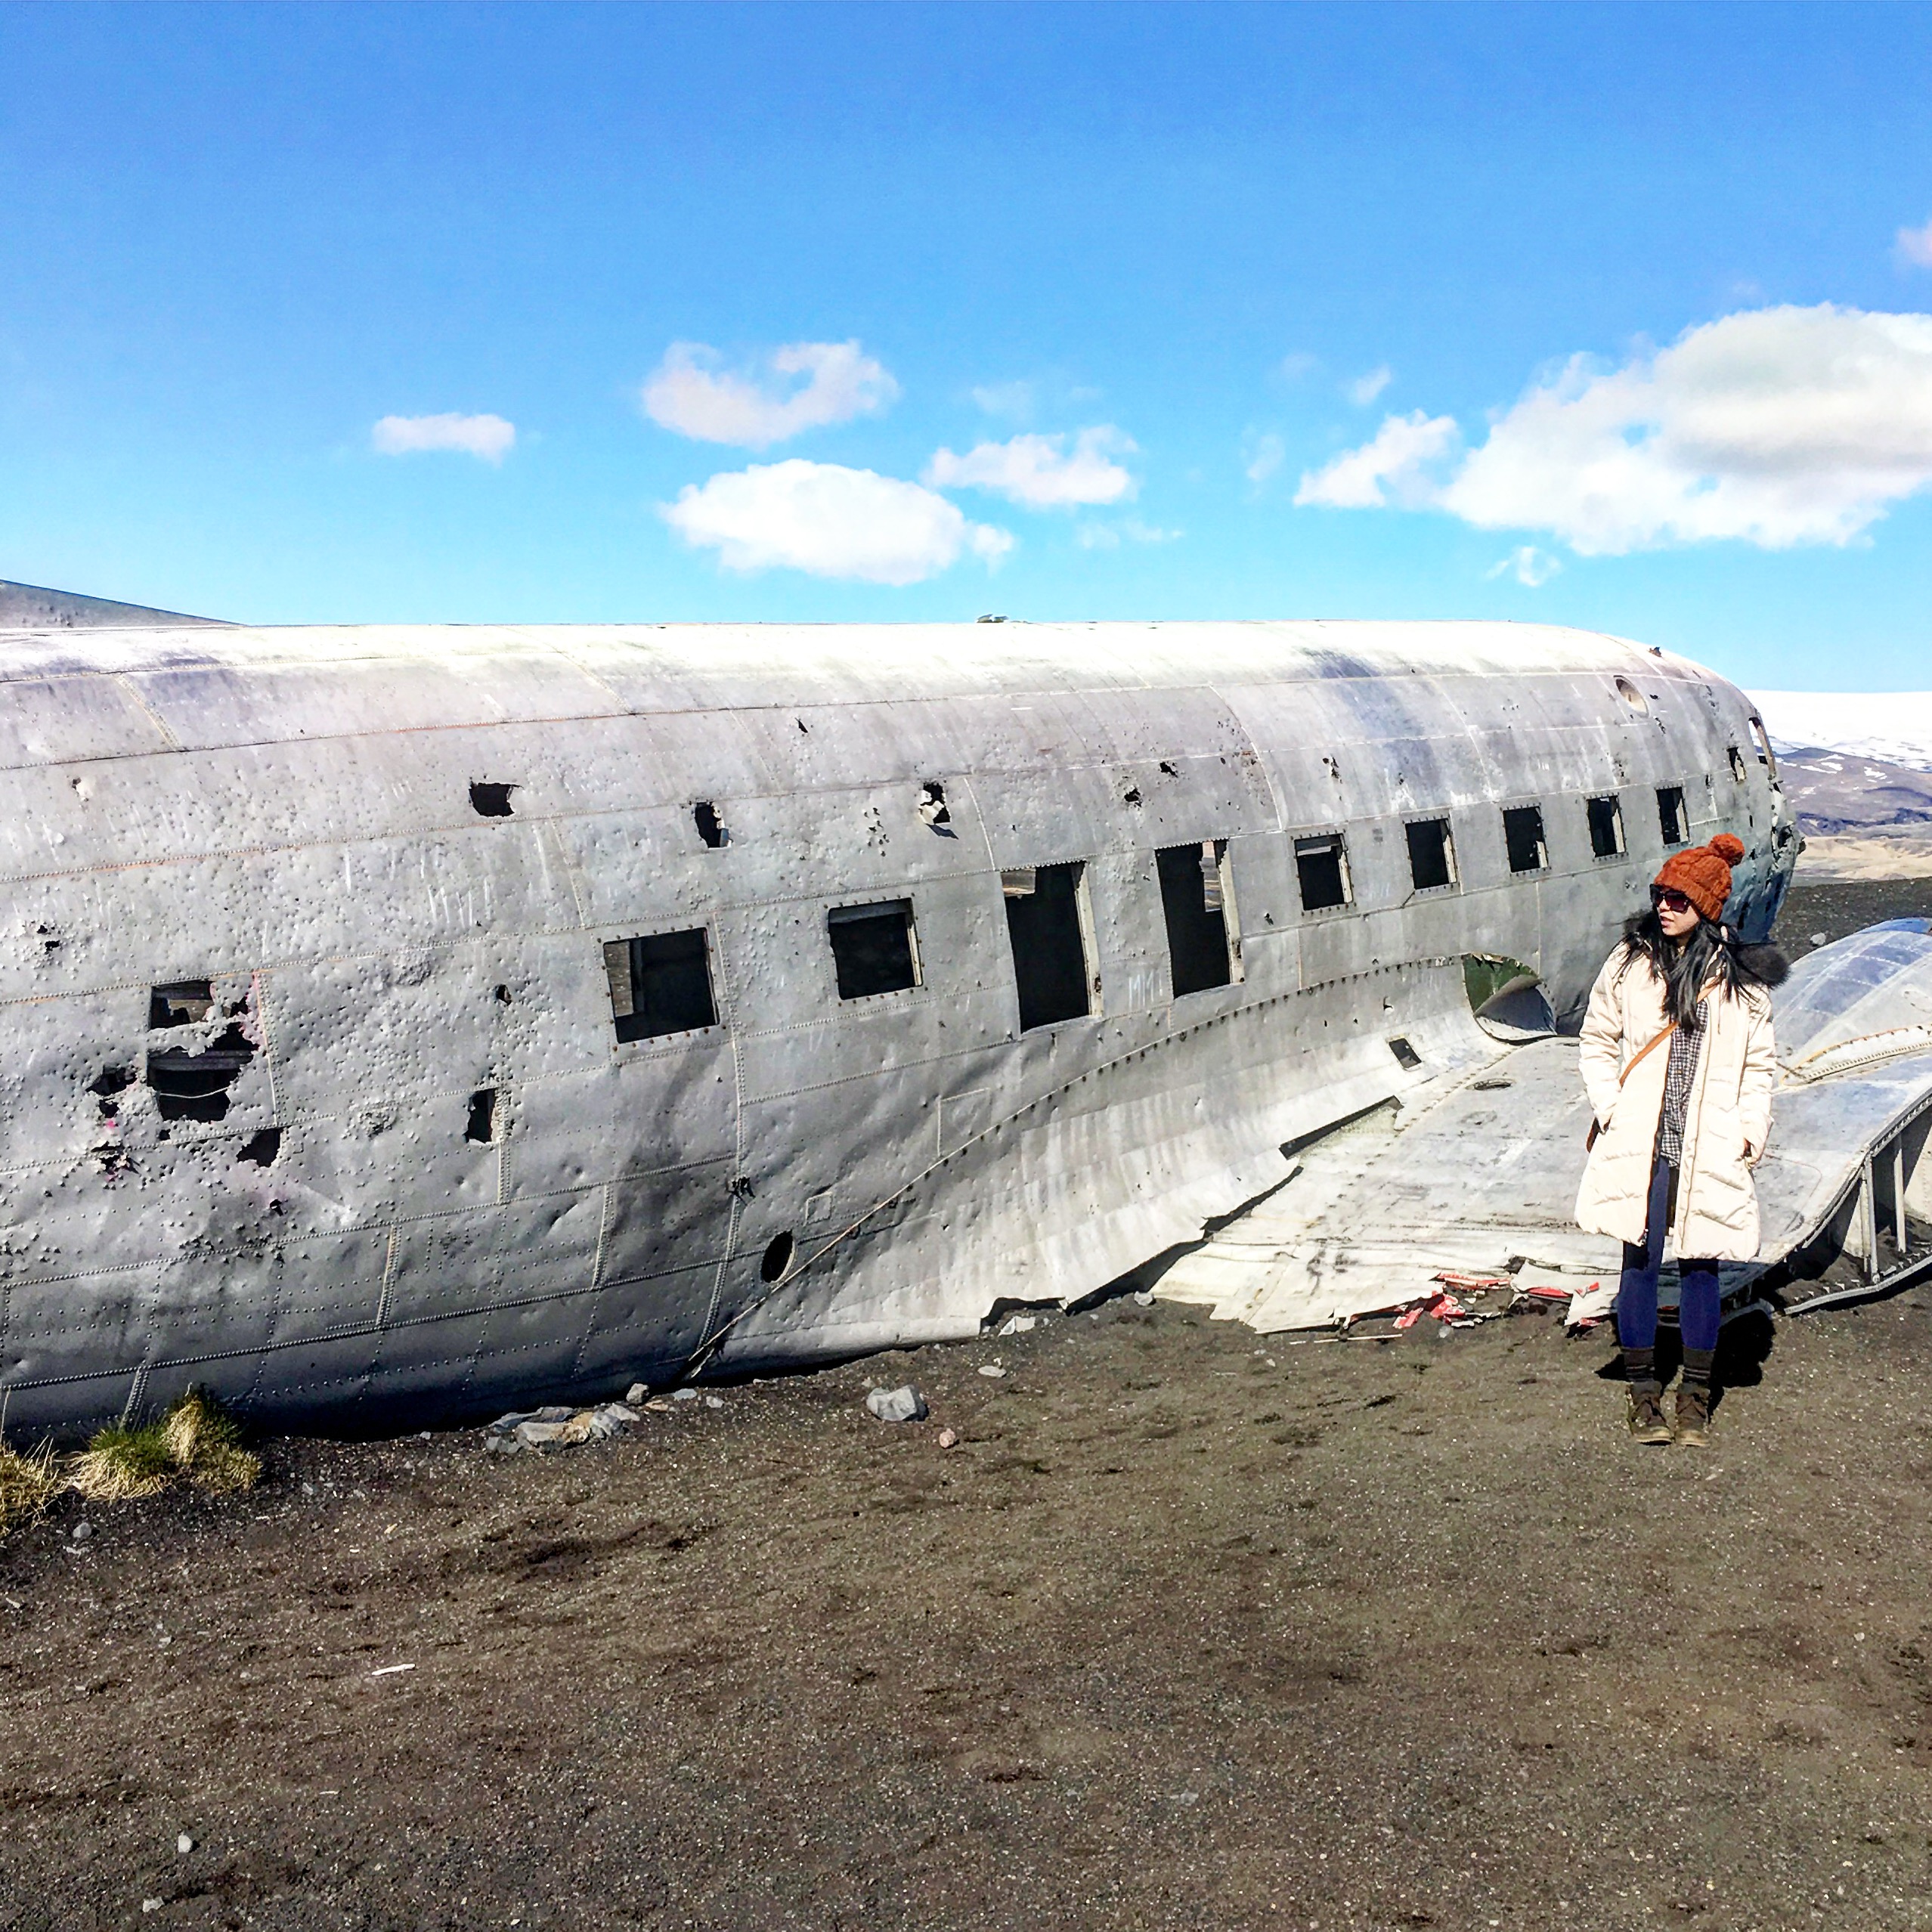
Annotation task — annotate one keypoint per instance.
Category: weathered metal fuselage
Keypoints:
(312, 1087)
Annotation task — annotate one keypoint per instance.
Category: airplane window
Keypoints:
(194, 1086)
(1192, 898)
(661, 984)
(490, 800)
(1046, 924)
(1671, 816)
(1323, 863)
(180, 1004)
(1431, 854)
(1522, 835)
(1737, 763)
(873, 948)
(1406, 1056)
(704, 815)
(482, 1124)
(1606, 826)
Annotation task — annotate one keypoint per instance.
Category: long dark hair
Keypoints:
(1710, 953)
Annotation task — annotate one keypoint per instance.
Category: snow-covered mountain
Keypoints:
(1891, 727)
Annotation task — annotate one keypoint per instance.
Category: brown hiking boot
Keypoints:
(1645, 1414)
(1694, 1418)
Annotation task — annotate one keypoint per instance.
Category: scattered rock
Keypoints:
(1019, 1324)
(541, 1428)
(947, 1438)
(82, 1531)
(1143, 1298)
(897, 1405)
(684, 1395)
(992, 1369)
(184, 1845)
(636, 1393)
(1819, 939)
(714, 1402)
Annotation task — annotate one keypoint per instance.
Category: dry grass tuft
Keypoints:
(121, 1463)
(205, 1442)
(27, 1484)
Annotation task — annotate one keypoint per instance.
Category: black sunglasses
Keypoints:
(1667, 898)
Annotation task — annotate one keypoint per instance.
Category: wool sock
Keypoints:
(1640, 1366)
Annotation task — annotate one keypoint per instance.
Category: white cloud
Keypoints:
(830, 521)
(691, 392)
(488, 437)
(1530, 566)
(1365, 389)
(1914, 245)
(1266, 454)
(1773, 426)
(1013, 400)
(1392, 468)
(1040, 472)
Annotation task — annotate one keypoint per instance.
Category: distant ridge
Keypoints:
(27, 607)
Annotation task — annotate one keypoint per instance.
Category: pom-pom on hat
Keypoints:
(1703, 873)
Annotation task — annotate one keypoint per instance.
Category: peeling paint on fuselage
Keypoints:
(287, 815)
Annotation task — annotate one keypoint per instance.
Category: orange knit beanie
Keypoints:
(1703, 873)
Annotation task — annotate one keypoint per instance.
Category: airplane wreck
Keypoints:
(399, 1021)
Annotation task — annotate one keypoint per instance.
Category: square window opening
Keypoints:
(1047, 928)
(874, 947)
(1672, 819)
(1323, 865)
(660, 984)
(1522, 839)
(1194, 899)
(1431, 854)
(1606, 826)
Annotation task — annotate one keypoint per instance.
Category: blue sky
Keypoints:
(338, 313)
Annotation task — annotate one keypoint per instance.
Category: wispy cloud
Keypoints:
(803, 385)
(1393, 469)
(1131, 530)
(1264, 455)
(1013, 400)
(1292, 367)
(1914, 245)
(1365, 389)
(1528, 565)
(1041, 471)
(1772, 426)
(489, 437)
(828, 521)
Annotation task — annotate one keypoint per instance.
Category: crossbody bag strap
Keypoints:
(1590, 1139)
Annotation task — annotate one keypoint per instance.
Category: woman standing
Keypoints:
(1679, 1064)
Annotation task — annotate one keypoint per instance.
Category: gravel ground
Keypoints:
(1189, 1629)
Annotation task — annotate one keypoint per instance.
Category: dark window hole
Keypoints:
(1323, 865)
(109, 1082)
(1406, 1056)
(185, 1003)
(778, 1258)
(1522, 839)
(1132, 796)
(1190, 897)
(1672, 819)
(704, 815)
(1044, 927)
(262, 1147)
(1606, 826)
(660, 984)
(194, 1086)
(482, 1123)
(502, 995)
(1737, 763)
(874, 947)
(1432, 857)
(490, 801)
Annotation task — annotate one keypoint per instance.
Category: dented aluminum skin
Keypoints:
(427, 1177)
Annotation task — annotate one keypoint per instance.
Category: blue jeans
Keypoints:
(1698, 1308)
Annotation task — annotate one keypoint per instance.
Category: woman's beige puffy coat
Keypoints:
(1725, 1124)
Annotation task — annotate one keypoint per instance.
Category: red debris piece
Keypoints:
(1450, 1278)
(1442, 1308)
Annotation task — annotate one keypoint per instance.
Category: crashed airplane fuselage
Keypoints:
(400, 1020)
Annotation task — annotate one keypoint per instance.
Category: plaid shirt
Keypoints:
(1678, 1076)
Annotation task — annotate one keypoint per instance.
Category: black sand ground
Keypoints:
(1189, 1630)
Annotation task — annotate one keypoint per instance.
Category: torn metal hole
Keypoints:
(489, 799)
(191, 1085)
(262, 1148)
(1132, 796)
(932, 808)
(482, 1125)
(704, 815)
(778, 1258)
(502, 995)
